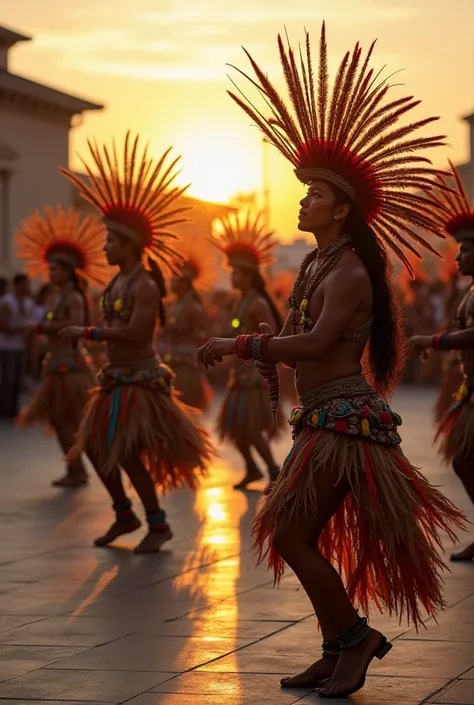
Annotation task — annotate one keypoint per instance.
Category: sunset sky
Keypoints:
(160, 68)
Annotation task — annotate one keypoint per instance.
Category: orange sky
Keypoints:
(159, 66)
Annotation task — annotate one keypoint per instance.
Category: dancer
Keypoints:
(133, 419)
(61, 245)
(346, 494)
(187, 323)
(245, 417)
(456, 428)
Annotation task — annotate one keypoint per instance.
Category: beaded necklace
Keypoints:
(111, 308)
(50, 315)
(241, 309)
(326, 260)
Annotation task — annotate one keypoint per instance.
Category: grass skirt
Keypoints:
(190, 381)
(134, 411)
(246, 412)
(385, 536)
(455, 433)
(63, 391)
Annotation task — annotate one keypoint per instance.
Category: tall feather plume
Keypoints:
(458, 218)
(131, 189)
(353, 134)
(245, 237)
(58, 232)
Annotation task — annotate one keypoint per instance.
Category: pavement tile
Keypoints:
(391, 690)
(427, 659)
(201, 627)
(13, 621)
(67, 631)
(95, 686)
(448, 630)
(202, 699)
(17, 660)
(140, 611)
(145, 652)
(459, 693)
(258, 687)
(49, 702)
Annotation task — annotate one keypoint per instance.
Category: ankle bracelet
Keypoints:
(156, 519)
(331, 650)
(355, 635)
(123, 511)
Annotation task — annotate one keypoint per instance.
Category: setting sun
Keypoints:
(218, 164)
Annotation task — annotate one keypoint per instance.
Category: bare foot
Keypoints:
(314, 676)
(467, 554)
(154, 540)
(251, 476)
(71, 480)
(351, 668)
(117, 529)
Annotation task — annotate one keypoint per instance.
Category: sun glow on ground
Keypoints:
(217, 165)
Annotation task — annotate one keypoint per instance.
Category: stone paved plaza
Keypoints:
(197, 624)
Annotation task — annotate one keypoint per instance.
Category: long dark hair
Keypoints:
(258, 283)
(385, 354)
(80, 285)
(191, 288)
(157, 275)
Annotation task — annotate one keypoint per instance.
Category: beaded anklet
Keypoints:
(124, 511)
(157, 520)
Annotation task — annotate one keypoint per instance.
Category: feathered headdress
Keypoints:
(458, 219)
(63, 236)
(350, 137)
(245, 241)
(135, 195)
(195, 263)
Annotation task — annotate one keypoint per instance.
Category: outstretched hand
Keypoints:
(71, 333)
(215, 350)
(421, 344)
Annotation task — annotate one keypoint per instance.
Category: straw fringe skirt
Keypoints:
(455, 433)
(191, 383)
(246, 412)
(135, 411)
(62, 393)
(385, 536)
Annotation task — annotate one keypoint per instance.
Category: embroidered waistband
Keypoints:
(346, 387)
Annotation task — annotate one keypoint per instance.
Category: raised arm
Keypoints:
(145, 297)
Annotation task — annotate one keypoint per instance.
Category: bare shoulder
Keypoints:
(144, 289)
(350, 272)
(74, 298)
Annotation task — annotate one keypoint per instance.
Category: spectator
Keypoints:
(16, 316)
(3, 286)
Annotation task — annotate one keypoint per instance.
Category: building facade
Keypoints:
(35, 124)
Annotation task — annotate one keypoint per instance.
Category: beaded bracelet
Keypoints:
(440, 341)
(253, 347)
(93, 333)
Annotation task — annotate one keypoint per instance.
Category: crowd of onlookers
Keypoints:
(428, 305)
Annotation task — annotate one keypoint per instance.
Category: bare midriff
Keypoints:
(344, 360)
